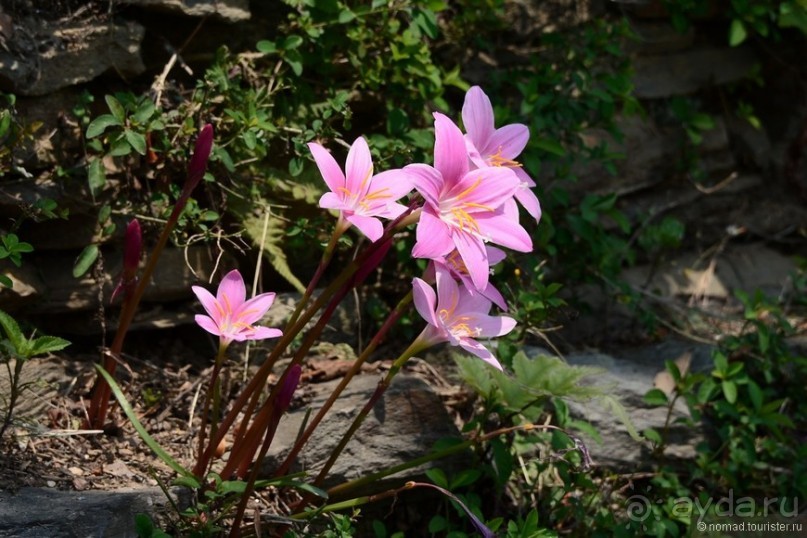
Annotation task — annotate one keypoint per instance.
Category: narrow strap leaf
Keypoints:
(130, 414)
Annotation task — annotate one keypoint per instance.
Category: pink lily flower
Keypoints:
(360, 196)
(488, 146)
(465, 208)
(230, 315)
(456, 267)
(458, 317)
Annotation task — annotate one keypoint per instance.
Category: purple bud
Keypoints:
(289, 386)
(132, 246)
(201, 154)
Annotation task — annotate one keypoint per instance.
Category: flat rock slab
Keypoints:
(404, 425)
(628, 377)
(40, 513)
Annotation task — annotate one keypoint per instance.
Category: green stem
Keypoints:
(327, 255)
(352, 503)
(213, 394)
(251, 394)
(15, 392)
(101, 393)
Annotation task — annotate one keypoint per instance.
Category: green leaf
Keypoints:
(426, 20)
(295, 61)
(793, 16)
(346, 16)
(96, 176)
(755, 393)
(291, 42)
(85, 260)
(144, 527)
(100, 124)
(465, 478)
(5, 122)
(132, 416)
(652, 435)
(47, 344)
(144, 111)
(116, 108)
(273, 246)
(13, 332)
(120, 147)
(187, 482)
(136, 140)
(266, 46)
(5, 281)
(656, 398)
(737, 32)
(438, 477)
(622, 415)
(550, 146)
(730, 391)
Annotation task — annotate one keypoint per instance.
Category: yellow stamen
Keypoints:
(497, 160)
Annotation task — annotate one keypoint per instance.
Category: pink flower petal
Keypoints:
(508, 141)
(472, 346)
(495, 255)
(207, 324)
(484, 189)
(450, 156)
(231, 292)
(495, 296)
(473, 254)
(331, 200)
(261, 333)
(358, 168)
(530, 202)
(492, 326)
(448, 292)
(209, 303)
(330, 170)
(502, 228)
(428, 182)
(395, 184)
(425, 301)
(369, 226)
(433, 236)
(254, 309)
(477, 116)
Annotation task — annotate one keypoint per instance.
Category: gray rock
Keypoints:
(745, 267)
(226, 10)
(629, 377)
(404, 425)
(659, 37)
(36, 513)
(683, 73)
(55, 57)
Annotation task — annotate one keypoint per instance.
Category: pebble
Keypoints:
(51, 483)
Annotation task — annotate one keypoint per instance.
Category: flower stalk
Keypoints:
(101, 392)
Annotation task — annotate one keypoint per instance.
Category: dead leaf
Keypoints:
(664, 380)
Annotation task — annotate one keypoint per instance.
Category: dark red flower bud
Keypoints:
(287, 390)
(132, 247)
(201, 154)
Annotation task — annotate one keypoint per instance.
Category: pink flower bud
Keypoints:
(132, 246)
(201, 154)
(287, 390)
